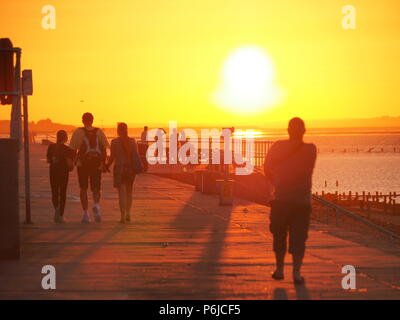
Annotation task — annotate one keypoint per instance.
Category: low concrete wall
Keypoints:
(251, 187)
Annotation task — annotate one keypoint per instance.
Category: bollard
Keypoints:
(208, 182)
(9, 207)
(225, 191)
(384, 204)
(198, 179)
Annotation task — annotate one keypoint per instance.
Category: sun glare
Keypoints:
(247, 134)
(247, 82)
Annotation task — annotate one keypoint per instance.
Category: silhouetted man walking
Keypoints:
(289, 166)
(91, 144)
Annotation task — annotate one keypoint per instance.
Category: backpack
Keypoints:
(91, 151)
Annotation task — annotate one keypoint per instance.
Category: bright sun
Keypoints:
(247, 82)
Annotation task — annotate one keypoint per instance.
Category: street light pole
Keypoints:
(28, 219)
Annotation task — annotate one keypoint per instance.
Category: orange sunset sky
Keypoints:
(160, 60)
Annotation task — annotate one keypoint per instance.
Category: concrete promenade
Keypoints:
(180, 245)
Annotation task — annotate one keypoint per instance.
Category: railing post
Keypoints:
(336, 217)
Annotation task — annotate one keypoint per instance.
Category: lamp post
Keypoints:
(27, 89)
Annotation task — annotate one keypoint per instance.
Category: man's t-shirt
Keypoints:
(57, 155)
(290, 167)
(79, 135)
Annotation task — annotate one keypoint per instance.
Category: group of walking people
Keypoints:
(87, 151)
(288, 170)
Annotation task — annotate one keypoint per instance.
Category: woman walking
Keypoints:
(60, 158)
(124, 152)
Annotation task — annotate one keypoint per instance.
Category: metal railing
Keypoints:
(208, 147)
(327, 212)
(335, 212)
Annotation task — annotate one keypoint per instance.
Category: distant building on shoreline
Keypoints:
(42, 126)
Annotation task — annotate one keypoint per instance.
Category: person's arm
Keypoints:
(75, 143)
(139, 164)
(135, 146)
(112, 156)
(313, 158)
(76, 139)
(268, 164)
(104, 142)
(49, 153)
(70, 159)
(103, 139)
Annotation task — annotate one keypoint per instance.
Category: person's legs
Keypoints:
(278, 228)
(280, 264)
(63, 192)
(84, 199)
(297, 263)
(129, 195)
(83, 178)
(54, 189)
(122, 201)
(96, 196)
(298, 233)
(95, 184)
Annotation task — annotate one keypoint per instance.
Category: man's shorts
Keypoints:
(85, 175)
(289, 218)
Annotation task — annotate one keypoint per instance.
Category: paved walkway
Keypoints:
(181, 245)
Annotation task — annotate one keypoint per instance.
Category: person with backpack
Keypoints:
(289, 166)
(124, 151)
(90, 144)
(60, 158)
